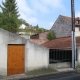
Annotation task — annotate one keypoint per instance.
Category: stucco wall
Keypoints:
(77, 32)
(77, 29)
(60, 65)
(78, 55)
(25, 36)
(37, 56)
(5, 39)
(61, 27)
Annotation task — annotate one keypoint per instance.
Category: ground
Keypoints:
(62, 76)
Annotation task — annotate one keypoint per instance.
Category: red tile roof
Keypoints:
(61, 43)
(69, 18)
(39, 41)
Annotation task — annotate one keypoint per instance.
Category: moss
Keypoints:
(40, 71)
(78, 66)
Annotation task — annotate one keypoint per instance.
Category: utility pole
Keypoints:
(73, 34)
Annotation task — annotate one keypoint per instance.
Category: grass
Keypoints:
(40, 71)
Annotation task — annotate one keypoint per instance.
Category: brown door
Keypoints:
(15, 59)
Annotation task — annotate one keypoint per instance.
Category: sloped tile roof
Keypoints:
(61, 43)
(69, 18)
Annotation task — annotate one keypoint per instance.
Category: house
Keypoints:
(60, 52)
(18, 55)
(63, 27)
(22, 26)
(26, 30)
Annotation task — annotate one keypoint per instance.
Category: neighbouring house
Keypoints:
(39, 38)
(26, 30)
(60, 52)
(63, 27)
(19, 55)
(22, 26)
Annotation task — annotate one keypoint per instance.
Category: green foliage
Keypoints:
(51, 35)
(22, 21)
(9, 16)
(37, 26)
(40, 30)
(41, 71)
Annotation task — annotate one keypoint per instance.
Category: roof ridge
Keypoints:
(67, 18)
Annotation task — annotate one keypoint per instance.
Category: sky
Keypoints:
(45, 12)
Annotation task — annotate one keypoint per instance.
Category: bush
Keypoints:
(51, 35)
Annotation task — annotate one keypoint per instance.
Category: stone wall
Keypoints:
(62, 27)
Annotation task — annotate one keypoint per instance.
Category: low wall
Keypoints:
(60, 65)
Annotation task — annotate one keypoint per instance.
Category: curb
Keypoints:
(35, 76)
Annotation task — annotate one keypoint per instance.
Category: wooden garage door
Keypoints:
(15, 63)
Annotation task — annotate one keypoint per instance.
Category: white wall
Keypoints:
(78, 55)
(5, 39)
(25, 36)
(76, 29)
(37, 56)
(22, 26)
(60, 65)
(77, 32)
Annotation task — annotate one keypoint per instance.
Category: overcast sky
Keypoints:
(45, 12)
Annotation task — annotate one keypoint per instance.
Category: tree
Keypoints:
(22, 21)
(37, 26)
(51, 35)
(9, 16)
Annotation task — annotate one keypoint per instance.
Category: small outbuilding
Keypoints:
(60, 52)
(18, 55)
